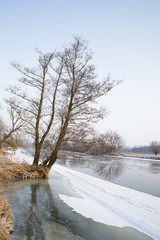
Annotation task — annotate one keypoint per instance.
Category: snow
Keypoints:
(109, 203)
(21, 156)
(113, 204)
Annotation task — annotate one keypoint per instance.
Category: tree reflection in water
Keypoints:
(110, 171)
(154, 167)
(42, 220)
(71, 159)
(104, 166)
(45, 216)
(34, 227)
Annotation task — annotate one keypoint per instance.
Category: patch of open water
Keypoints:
(41, 215)
(141, 175)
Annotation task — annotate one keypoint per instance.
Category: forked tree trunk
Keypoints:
(54, 154)
(37, 156)
(51, 159)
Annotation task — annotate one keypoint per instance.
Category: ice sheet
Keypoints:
(107, 202)
(113, 204)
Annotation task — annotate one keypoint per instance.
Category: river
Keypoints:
(41, 214)
(139, 174)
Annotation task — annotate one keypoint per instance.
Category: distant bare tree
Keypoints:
(97, 144)
(63, 107)
(108, 143)
(155, 147)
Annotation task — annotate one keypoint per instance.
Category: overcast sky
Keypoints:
(125, 38)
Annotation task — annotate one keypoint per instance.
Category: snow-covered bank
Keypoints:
(137, 157)
(143, 158)
(21, 156)
(112, 204)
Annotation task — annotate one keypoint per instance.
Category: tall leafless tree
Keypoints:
(64, 105)
(38, 107)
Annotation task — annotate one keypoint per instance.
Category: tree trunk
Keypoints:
(1, 145)
(53, 156)
(51, 159)
(37, 155)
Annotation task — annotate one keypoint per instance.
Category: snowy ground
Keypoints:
(109, 203)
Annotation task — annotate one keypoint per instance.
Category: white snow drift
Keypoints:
(112, 204)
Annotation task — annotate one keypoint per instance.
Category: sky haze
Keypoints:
(125, 38)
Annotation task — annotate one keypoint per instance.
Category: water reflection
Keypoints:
(114, 169)
(127, 172)
(40, 214)
(40, 218)
(155, 167)
(72, 159)
(34, 227)
(102, 166)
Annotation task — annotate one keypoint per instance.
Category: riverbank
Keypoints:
(11, 171)
(6, 216)
(140, 155)
(6, 219)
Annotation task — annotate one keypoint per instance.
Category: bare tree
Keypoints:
(38, 110)
(63, 108)
(107, 143)
(9, 135)
(155, 147)
(98, 144)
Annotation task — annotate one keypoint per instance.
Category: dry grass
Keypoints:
(6, 219)
(9, 171)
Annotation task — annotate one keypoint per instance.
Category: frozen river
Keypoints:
(41, 214)
(76, 205)
(139, 174)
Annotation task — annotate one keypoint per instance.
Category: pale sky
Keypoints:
(125, 38)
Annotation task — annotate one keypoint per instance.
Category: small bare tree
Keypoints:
(63, 106)
(8, 135)
(107, 143)
(155, 147)
(98, 144)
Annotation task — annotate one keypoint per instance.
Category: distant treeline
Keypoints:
(139, 149)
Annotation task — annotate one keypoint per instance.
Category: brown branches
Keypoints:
(8, 135)
(65, 88)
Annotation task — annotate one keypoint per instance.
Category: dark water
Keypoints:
(41, 215)
(141, 175)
